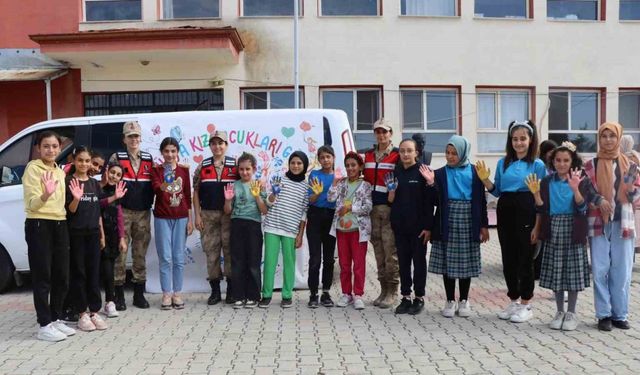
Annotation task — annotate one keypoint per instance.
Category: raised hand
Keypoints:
(276, 185)
(76, 189)
(50, 185)
(228, 192)
(255, 187)
(482, 170)
(121, 190)
(390, 181)
(316, 186)
(533, 183)
(427, 173)
(575, 178)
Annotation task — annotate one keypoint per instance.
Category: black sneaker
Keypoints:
(605, 324)
(264, 303)
(286, 303)
(313, 302)
(325, 300)
(416, 307)
(250, 304)
(70, 317)
(621, 324)
(404, 306)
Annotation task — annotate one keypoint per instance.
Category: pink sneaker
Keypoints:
(98, 322)
(85, 323)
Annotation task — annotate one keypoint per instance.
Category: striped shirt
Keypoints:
(288, 210)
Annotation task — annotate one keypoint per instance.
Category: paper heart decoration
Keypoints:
(198, 158)
(211, 128)
(287, 132)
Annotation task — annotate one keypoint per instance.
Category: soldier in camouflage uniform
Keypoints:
(136, 204)
(214, 225)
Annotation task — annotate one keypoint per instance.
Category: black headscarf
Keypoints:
(305, 163)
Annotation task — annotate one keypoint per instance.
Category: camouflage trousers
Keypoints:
(215, 240)
(137, 228)
(384, 246)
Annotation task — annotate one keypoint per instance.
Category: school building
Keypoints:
(437, 67)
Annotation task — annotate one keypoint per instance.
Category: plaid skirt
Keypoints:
(459, 256)
(564, 265)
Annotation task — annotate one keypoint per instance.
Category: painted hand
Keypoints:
(575, 178)
(316, 186)
(482, 170)
(76, 189)
(276, 185)
(390, 181)
(49, 183)
(121, 190)
(255, 187)
(228, 192)
(533, 183)
(427, 173)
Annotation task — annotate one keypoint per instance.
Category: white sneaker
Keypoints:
(238, 304)
(60, 326)
(50, 333)
(449, 310)
(110, 310)
(464, 309)
(345, 300)
(570, 322)
(358, 303)
(556, 323)
(524, 313)
(511, 309)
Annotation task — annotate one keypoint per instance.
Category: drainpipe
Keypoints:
(47, 85)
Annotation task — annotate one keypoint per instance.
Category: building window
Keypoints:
(428, 7)
(433, 112)
(502, 8)
(573, 9)
(629, 113)
(496, 110)
(630, 9)
(363, 107)
(112, 10)
(574, 116)
(190, 9)
(269, 8)
(148, 102)
(350, 8)
(270, 99)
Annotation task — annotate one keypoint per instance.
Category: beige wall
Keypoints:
(392, 50)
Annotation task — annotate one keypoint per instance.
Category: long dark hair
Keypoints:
(169, 141)
(576, 160)
(47, 134)
(532, 152)
(545, 147)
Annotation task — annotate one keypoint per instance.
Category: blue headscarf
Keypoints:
(463, 148)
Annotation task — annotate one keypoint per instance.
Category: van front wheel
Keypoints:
(6, 270)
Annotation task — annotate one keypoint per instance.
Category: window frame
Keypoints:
(83, 4)
(161, 16)
(531, 90)
(600, 116)
(457, 7)
(354, 89)
(379, 9)
(269, 90)
(601, 12)
(529, 8)
(636, 91)
(242, 15)
(424, 90)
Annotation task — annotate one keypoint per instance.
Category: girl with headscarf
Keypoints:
(626, 147)
(284, 227)
(459, 226)
(410, 216)
(612, 228)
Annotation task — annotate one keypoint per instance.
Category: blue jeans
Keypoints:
(611, 264)
(171, 238)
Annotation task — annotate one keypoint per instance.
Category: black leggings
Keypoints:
(107, 263)
(450, 288)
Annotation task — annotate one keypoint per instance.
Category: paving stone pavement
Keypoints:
(220, 340)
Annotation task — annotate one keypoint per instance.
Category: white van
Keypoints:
(270, 135)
